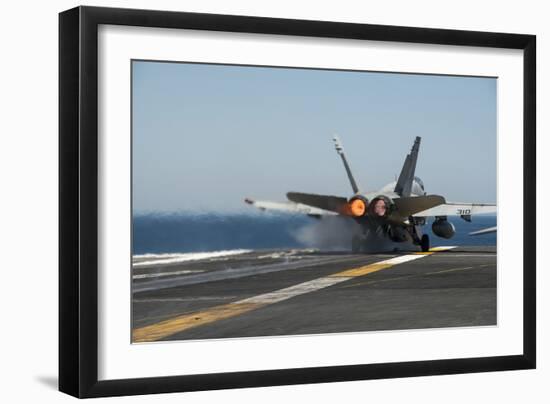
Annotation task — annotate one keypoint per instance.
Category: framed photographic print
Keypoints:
(250, 201)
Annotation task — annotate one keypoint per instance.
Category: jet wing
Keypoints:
(458, 209)
(289, 207)
(331, 203)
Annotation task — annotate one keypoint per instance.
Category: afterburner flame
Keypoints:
(357, 207)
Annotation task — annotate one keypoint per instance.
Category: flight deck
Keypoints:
(306, 291)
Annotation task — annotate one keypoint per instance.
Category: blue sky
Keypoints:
(207, 136)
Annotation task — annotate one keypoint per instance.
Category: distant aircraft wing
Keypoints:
(458, 209)
(289, 207)
(484, 231)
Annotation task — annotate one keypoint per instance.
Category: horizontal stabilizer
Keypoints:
(459, 209)
(326, 202)
(409, 206)
(288, 207)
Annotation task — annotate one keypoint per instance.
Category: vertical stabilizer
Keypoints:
(340, 151)
(406, 178)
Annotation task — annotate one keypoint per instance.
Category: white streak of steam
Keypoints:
(157, 259)
(328, 233)
(335, 233)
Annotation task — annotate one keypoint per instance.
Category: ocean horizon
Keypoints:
(161, 233)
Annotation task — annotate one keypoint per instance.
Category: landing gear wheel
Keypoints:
(425, 243)
(356, 244)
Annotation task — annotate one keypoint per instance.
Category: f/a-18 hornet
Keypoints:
(398, 211)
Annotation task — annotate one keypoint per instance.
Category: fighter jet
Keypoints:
(398, 211)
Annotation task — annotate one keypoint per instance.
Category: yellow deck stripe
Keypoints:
(367, 269)
(171, 326)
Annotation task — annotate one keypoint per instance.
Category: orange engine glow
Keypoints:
(357, 207)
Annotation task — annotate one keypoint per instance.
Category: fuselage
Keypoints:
(366, 205)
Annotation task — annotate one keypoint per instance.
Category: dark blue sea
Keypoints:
(183, 232)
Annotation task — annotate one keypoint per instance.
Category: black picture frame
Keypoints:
(78, 201)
